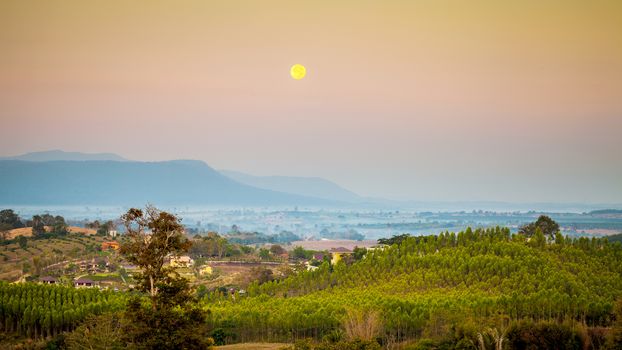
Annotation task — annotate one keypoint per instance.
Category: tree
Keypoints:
(38, 227)
(614, 340)
(548, 226)
(22, 241)
(103, 229)
(359, 253)
(97, 332)
(152, 236)
(261, 274)
(276, 249)
(10, 219)
(4, 231)
(300, 253)
(397, 239)
(173, 321)
(264, 254)
(59, 226)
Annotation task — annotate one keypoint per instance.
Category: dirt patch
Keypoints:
(27, 231)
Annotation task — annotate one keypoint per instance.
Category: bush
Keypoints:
(306, 344)
(527, 335)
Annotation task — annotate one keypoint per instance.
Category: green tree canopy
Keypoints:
(548, 226)
(10, 220)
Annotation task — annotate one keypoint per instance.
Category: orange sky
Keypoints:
(431, 100)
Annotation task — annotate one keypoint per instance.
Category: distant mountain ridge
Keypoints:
(45, 156)
(304, 186)
(131, 183)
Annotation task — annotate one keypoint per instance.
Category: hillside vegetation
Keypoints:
(433, 286)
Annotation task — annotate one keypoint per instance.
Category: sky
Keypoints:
(517, 101)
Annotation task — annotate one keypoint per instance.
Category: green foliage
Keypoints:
(212, 245)
(9, 220)
(431, 284)
(301, 253)
(547, 225)
(398, 239)
(277, 249)
(23, 242)
(172, 320)
(59, 226)
(358, 253)
(172, 327)
(37, 310)
(545, 336)
(38, 226)
(97, 332)
(307, 344)
(614, 340)
(152, 236)
(264, 254)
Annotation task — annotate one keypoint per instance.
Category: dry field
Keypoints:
(27, 231)
(330, 243)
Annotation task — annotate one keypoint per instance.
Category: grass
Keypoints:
(253, 346)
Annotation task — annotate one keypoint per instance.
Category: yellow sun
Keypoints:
(298, 71)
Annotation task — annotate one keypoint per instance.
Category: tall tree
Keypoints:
(173, 321)
(152, 236)
(38, 227)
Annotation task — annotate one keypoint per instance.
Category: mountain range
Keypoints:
(45, 156)
(73, 178)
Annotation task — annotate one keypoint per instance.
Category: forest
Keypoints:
(438, 287)
(483, 288)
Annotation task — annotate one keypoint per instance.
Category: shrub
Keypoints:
(527, 335)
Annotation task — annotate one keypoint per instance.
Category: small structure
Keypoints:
(113, 233)
(338, 254)
(84, 283)
(48, 280)
(318, 256)
(111, 245)
(181, 261)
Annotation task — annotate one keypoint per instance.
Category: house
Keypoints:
(84, 283)
(318, 256)
(112, 233)
(181, 261)
(111, 245)
(48, 280)
(338, 254)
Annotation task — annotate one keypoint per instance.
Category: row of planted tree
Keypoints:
(36, 310)
(475, 284)
(426, 284)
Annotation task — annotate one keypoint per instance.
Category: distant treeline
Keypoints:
(606, 212)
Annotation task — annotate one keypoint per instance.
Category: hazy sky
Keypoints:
(428, 100)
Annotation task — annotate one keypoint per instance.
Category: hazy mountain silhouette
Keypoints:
(46, 156)
(131, 183)
(304, 186)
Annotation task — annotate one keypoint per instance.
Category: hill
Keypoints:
(304, 186)
(131, 183)
(46, 156)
